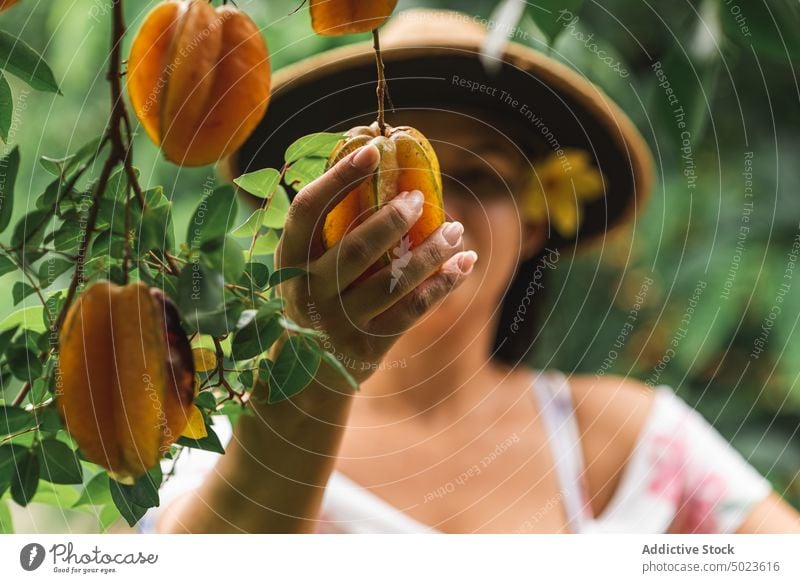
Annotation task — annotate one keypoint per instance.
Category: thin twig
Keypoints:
(221, 380)
(26, 388)
(119, 154)
(10, 437)
(296, 10)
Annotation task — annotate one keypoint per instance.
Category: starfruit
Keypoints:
(198, 79)
(338, 17)
(125, 385)
(407, 162)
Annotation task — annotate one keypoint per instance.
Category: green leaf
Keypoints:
(50, 419)
(285, 274)
(271, 214)
(201, 294)
(213, 217)
(64, 165)
(209, 443)
(19, 59)
(6, 265)
(305, 171)
(20, 291)
(246, 379)
(66, 237)
(266, 244)
(291, 326)
(59, 464)
(206, 400)
(260, 183)
(24, 363)
(10, 457)
(260, 331)
(293, 370)
(30, 318)
(109, 515)
(52, 307)
(52, 165)
(9, 166)
(144, 492)
(337, 365)
(29, 229)
(56, 495)
(264, 367)
(130, 511)
(90, 149)
(319, 145)
(6, 524)
(275, 214)
(25, 480)
(38, 392)
(96, 492)
(256, 275)
(5, 338)
(225, 256)
(156, 230)
(6, 108)
(234, 411)
(51, 269)
(251, 226)
(14, 420)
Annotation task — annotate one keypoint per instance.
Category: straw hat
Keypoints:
(432, 62)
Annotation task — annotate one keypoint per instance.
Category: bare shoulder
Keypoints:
(611, 413)
(612, 404)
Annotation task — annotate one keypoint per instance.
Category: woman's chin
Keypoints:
(442, 317)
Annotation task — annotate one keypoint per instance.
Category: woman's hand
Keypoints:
(274, 473)
(362, 319)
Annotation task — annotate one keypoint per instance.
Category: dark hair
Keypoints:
(518, 325)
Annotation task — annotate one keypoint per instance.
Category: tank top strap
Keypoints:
(554, 398)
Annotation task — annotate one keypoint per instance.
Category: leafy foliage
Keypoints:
(221, 271)
(93, 220)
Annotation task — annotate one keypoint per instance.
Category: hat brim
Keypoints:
(332, 90)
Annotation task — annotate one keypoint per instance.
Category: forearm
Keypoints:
(273, 474)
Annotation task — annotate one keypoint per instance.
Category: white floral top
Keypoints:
(681, 477)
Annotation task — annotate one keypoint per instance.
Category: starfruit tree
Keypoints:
(137, 338)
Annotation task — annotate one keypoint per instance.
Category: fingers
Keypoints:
(406, 312)
(364, 245)
(377, 293)
(306, 215)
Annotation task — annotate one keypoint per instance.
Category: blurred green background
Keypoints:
(684, 296)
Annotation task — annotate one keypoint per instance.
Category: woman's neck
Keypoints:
(436, 377)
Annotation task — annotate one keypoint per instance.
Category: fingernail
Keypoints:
(466, 261)
(412, 199)
(452, 232)
(367, 158)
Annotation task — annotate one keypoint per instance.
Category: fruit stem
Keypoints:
(381, 90)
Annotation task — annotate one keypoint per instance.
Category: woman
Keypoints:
(450, 431)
